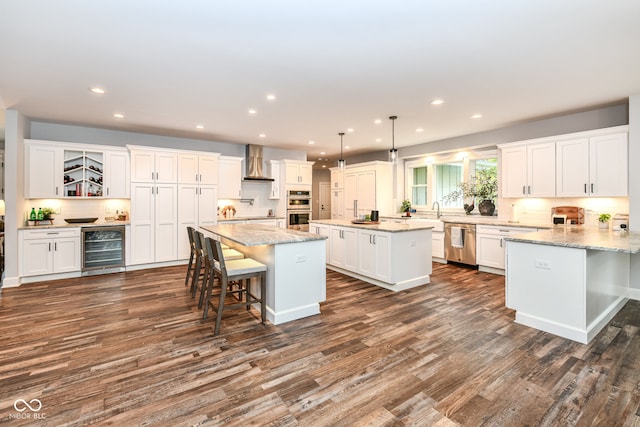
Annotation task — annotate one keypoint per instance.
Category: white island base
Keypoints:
(569, 292)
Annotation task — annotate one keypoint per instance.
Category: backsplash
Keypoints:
(539, 210)
(82, 208)
(261, 204)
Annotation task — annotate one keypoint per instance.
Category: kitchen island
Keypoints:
(295, 260)
(569, 281)
(393, 256)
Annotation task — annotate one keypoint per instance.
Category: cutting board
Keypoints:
(575, 214)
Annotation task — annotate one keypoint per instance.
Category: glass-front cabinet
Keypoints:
(83, 173)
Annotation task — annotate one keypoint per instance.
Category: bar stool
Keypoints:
(240, 270)
(206, 264)
(192, 256)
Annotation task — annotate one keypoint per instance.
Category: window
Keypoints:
(447, 178)
(419, 189)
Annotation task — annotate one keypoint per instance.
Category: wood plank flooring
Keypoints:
(129, 349)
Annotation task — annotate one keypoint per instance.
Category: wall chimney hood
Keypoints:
(254, 164)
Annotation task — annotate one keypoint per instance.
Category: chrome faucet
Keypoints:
(438, 211)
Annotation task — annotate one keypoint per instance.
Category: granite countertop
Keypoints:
(383, 226)
(474, 219)
(583, 237)
(248, 218)
(257, 234)
(63, 224)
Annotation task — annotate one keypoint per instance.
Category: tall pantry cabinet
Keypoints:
(367, 186)
(197, 195)
(154, 198)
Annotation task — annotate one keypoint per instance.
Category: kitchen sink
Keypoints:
(436, 223)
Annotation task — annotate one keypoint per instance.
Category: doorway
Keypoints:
(325, 200)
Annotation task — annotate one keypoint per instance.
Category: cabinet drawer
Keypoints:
(51, 233)
(502, 230)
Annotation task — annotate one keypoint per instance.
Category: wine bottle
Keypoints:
(40, 214)
(32, 215)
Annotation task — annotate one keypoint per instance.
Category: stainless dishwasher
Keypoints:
(460, 243)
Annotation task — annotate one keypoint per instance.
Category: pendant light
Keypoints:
(341, 162)
(393, 153)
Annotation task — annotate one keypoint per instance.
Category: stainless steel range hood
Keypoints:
(254, 164)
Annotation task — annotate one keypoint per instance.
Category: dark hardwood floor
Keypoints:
(129, 349)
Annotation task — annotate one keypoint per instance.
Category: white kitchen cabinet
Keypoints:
(337, 204)
(323, 230)
(154, 166)
(337, 179)
(197, 205)
(528, 170)
(374, 254)
(344, 248)
(43, 171)
(50, 251)
(195, 168)
(117, 174)
(596, 166)
(368, 186)
(230, 177)
(282, 223)
(274, 172)
(298, 172)
(437, 245)
(154, 222)
(490, 245)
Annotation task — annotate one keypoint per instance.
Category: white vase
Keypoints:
(603, 225)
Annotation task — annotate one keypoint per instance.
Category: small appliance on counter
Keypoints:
(620, 222)
(567, 215)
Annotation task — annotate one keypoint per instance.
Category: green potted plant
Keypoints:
(48, 213)
(603, 220)
(483, 187)
(406, 207)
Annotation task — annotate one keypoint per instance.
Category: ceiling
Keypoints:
(168, 66)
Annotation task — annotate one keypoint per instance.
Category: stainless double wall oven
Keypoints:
(298, 209)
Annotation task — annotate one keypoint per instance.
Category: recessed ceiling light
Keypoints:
(437, 102)
(324, 166)
(311, 142)
(271, 97)
(199, 126)
(378, 139)
(350, 130)
(377, 121)
(476, 116)
(97, 90)
(118, 116)
(262, 135)
(419, 130)
(252, 111)
(346, 147)
(322, 153)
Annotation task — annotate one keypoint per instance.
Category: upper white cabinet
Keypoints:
(43, 170)
(274, 172)
(337, 204)
(298, 172)
(529, 170)
(195, 168)
(337, 179)
(595, 166)
(230, 177)
(154, 166)
(117, 174)
(61, 169)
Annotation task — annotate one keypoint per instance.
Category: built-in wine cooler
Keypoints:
(103, 250)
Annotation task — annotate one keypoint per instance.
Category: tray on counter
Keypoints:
(79, 220)
(364, 221)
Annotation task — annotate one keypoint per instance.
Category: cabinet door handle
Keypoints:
(523, 189)
(501, 240)
(374, 239)
(529, 189)
(56, 191)
(196, 177)
(585, 188)
(592, 187)
(55, 246)
(49, 246)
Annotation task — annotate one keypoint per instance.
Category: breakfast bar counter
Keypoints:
(295, 260)
(569, 281)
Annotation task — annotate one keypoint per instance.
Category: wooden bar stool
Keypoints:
(240, 270)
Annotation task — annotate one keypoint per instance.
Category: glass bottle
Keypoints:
(40, 214)
(32, 215)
